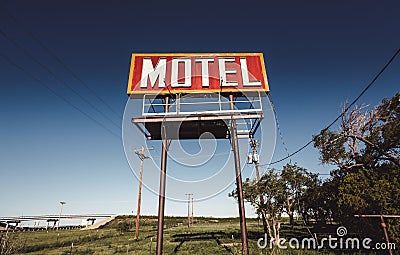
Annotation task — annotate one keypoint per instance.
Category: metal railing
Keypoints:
(200, 103)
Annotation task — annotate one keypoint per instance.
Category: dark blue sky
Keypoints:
(317, 53)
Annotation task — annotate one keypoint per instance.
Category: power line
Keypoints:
(277, 124)
(17, 45)
(345, 110)
(59, 60)
(57, 94)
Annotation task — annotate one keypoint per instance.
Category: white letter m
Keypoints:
(148, 71)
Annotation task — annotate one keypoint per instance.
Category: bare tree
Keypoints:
(360, 132)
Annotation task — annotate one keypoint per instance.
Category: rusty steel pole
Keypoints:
(383, 224)
(161, 194)
(242, 215)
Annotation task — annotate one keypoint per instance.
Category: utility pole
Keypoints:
(59, 217)
(188, 200)
(256, 159)
(142, 157)
(192, 212)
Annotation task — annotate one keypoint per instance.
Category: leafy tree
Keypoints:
(366, 150)
(271, 188)
(320, 201)
(277, 192)
(297, 181)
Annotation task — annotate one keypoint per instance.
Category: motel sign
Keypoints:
(186, 73)
(177, 82)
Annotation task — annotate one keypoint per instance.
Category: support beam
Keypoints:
(161, 194)
(242, 215)
(199, 117)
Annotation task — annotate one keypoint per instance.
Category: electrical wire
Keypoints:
(345, 110)
(60, 61)
(57, 94)
(17, 45)
(277, 124)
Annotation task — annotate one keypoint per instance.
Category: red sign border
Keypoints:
(172, 91)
